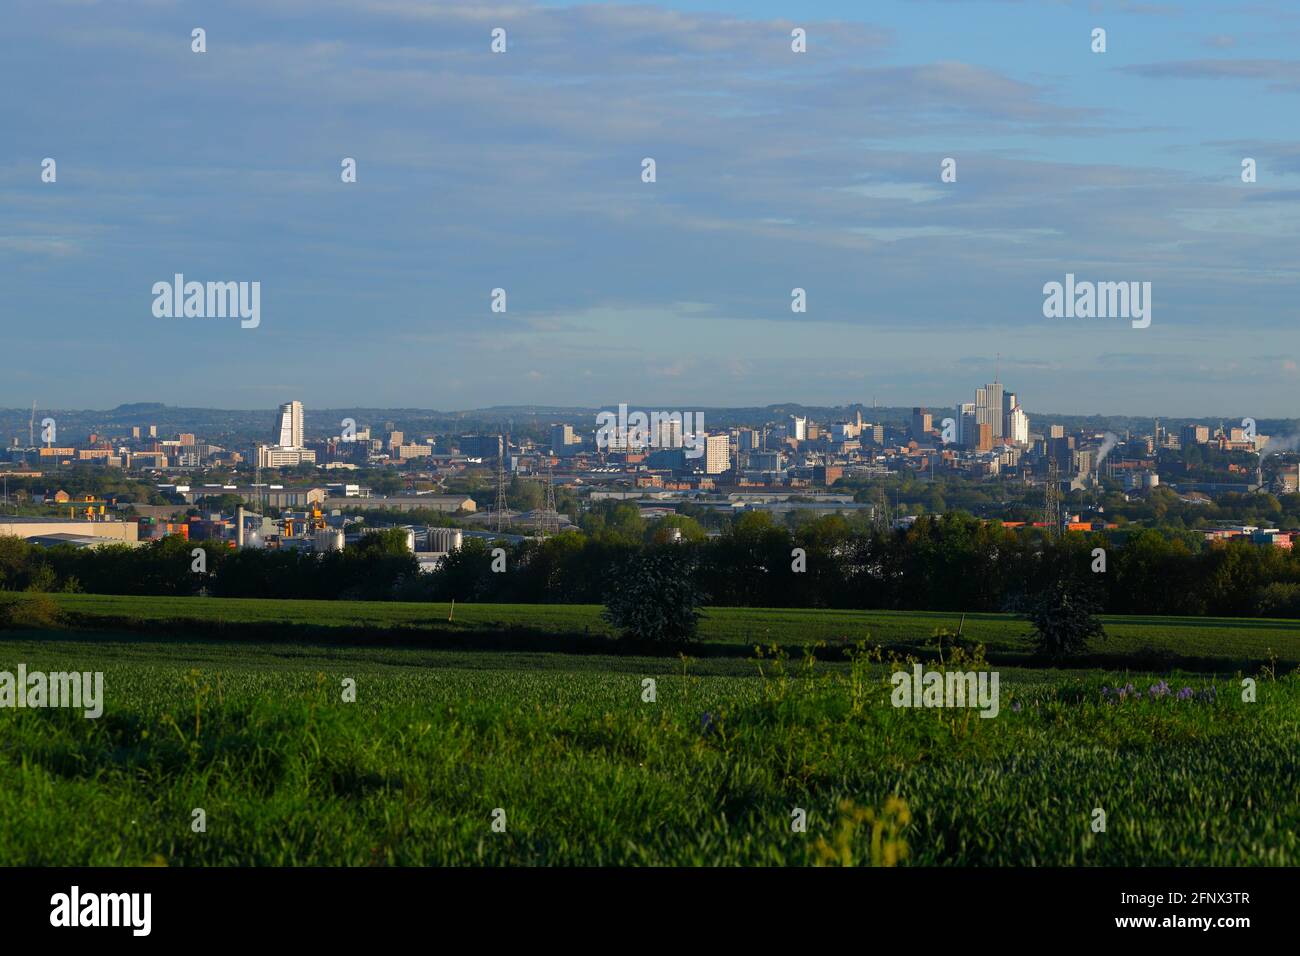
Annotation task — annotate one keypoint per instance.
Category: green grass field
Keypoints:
(1200, 643)
(256, 733)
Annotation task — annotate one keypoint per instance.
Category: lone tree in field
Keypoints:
(1063, 619)
(655, 597)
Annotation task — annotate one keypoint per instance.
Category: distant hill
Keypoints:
(240, 426)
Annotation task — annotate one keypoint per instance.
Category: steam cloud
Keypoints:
(1109, 441)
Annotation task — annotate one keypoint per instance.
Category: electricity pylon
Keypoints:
(501, 484)
(1052, 500)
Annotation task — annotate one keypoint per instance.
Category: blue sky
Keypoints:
(775, 171)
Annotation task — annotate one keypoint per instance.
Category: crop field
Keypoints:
(1193, 642)
(464, 755)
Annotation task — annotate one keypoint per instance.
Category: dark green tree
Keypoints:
(656, 596)
(1064, 620)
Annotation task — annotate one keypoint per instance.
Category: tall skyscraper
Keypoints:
(288, 449)
(988, 409)
(290, 434)
(1015, 421)
(1018, 426)
(670, 433)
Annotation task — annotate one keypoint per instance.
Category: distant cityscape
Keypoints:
(304, 486)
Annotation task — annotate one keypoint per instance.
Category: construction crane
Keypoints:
(31, 427)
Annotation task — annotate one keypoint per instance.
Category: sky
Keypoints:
(774, 170)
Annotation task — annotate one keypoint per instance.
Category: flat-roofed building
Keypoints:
(413, 450)
(272, 456)
(76, 540)
(444, 503)
(20, 526)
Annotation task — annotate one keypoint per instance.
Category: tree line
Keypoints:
(949, 562)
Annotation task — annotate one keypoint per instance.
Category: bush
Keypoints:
(655, 596)
(42, 578)
(1063, 620)
(1279, 599)
(34, 611)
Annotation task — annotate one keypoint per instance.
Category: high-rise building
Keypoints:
(1015, 421)
(481, 446)
(798, 428)
(670, 433)
(288, 450)
(988, 408)
(922, 422)
(289, 432)
(1018, 426)
(562, 436)
(967, 432)
(1061, 449)
(717, 454)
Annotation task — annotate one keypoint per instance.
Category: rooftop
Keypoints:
(37, 519)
